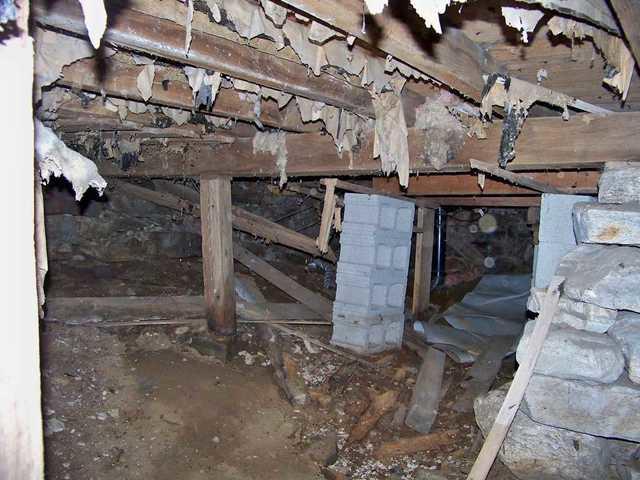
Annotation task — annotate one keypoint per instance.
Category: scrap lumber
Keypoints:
(242, 220)
(514, 396)
(423, 259)
(328, 210)
(408, 446)
(379, 406)
(314, 301)
(217, 254)
(106, 309)
(515, 178)
(118, 79)
(132, 30)
(425, 400)
(585, 141)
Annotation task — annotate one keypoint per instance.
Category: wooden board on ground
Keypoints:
(425, 400)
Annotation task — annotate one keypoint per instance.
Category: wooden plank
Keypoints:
(425, 219)
(514, 396)
(451, 58)
(133, 30)
(357, 188)
(328, 210)
(628, 12)
(487, 201)
(242, 220)
(312, 300)
(106, 309)
(450, 184)
(118, 79)
(425, 400)
(21, 454)
(585, 141)
(217, 254)
(410, 445)
(515, 178)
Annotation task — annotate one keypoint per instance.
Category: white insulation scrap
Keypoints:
(95, 19)
(429, 10)
(144, 82)
(522, 19)
(274, 143)
(188, 26)
(443, 132)
(55, 158)
(391, 143)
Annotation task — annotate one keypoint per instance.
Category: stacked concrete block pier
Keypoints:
(375, 247)
(580, 417)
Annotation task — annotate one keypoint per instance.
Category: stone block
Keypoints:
(626, 331)
(571, 313)
(605, 275)
(620, 183)
(575, 354)
(607, 410)
(609, 224)
(533, 451)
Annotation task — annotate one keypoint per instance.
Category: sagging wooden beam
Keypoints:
(243, 220)
(448, 184)
(133, 30)
(628, 13)
(118, 79)
(546, 143)
(217, 254)
(452, 58)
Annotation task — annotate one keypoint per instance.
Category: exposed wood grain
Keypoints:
(628, 13)
(137, 31)
(328, 209)
(217, 254)
(514, 396)
(407, 446)
(515, 178)
(423, 259)
(312, 300)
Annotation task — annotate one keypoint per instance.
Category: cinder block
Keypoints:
(346, 311)
(556, 217)
(379, 210)
(369, 287)
(359, 336)
(367, 245)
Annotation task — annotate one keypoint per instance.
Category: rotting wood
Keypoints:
(410, 445)
(242, 220)
(328, 210)
(425, 401)
(585, 141)
(117, 79)
(217, 254)
(312, 300)
(380, 405)
(133, 30)
(423, 259)
(515, 178)
(628, 12)
(449, 184)
(514, 396)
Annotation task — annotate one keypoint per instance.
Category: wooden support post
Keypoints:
(423, 261)
(327, 214)
(217, 254)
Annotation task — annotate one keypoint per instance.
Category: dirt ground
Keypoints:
(142, 402)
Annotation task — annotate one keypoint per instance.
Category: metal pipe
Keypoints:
(440, 227)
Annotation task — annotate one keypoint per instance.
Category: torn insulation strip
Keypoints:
(522, 19)
(95, 19)
(274, 143)
(55, 158)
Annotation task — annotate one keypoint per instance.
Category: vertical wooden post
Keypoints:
(423, 260)
(217, 254)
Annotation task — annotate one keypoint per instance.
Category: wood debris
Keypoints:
(407, 446)
(380, 405)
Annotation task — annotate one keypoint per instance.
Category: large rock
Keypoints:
(620, 183)
(571, 313)
(575, 354)
(601, 223)
(533, 451)
(627, 332)
(608, 410)
(606, 275)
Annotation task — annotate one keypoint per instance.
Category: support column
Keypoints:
(423, 260)
(217, 254)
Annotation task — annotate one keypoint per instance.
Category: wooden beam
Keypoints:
(628, 13)
(133, 30)
(452, 58)
(311, 300)
(450, 184)
(118, 79)
(546, 143)
(357, 188)
(425, 218)
(217, 254)
(593, 11)
(509, 408)
(515, 178)
(489, 201)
